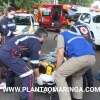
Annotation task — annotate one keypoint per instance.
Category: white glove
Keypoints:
(44, 78)
(2, 85)
(53, 74)
(39, 80)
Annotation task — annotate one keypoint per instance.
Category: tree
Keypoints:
(27, 4)
(81, 2)
(4, 4)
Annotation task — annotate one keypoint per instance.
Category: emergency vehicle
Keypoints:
(54, 16)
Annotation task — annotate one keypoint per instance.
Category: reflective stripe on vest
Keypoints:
(74, 38)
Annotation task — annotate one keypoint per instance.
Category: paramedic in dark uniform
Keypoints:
(7, 30)
(7, 24)
(80, 55)
(11, 54)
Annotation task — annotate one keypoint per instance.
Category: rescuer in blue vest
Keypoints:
(80, 55)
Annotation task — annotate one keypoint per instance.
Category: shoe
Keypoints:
(2, 85)
(97, 77)
(75, 99)
(23, 99)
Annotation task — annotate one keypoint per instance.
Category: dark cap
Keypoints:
(9, 9)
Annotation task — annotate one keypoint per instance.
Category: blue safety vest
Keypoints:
(76, 45)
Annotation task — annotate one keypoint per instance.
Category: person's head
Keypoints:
(1, 13)
(11, 12)
(42, 34)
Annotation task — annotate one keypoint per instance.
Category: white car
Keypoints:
(82, 9)
(25, 23)
(82, 29)
(92, 20)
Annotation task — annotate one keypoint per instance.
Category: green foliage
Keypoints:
(27, 4)
(81, 2)
(63, 1)
(4, 5)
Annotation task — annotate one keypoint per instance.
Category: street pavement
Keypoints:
(48, 46)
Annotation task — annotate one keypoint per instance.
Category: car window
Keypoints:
(85, 18)
(96, 19)
(46, 13)
(22, 20)
(56, 9)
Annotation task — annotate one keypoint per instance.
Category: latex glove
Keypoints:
(39, 80)
(53, 74)
(44, 78)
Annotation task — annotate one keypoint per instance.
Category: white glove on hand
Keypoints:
(53, 74)
(45, 78)
(39, 80)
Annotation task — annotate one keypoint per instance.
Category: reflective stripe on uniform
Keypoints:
(25, 58)
(9, 33)
(26, 74)
(74, 38)
(4, 26)
(24, 38)
(34, 61)
(12, 24)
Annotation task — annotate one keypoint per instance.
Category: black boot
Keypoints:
(76, 99)
(23, 99)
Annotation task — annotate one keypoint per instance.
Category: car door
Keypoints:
(96, 28)
(93, 22)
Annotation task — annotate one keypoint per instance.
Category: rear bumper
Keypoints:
(50, 27)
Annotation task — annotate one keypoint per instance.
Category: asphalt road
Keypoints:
(48, 46)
